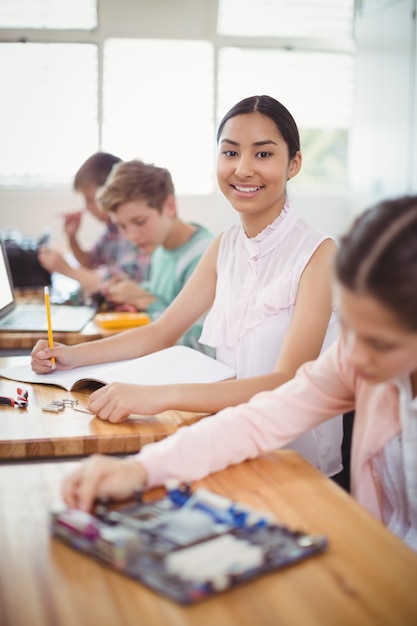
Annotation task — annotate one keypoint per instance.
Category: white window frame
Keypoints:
(202, 16)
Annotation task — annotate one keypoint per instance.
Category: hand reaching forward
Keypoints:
(101, 476)
(116, 401)
(53, 261)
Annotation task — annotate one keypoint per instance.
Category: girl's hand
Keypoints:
(41, 357)
(116, 401)
(102, 477)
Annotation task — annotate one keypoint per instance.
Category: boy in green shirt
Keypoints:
(142, 200)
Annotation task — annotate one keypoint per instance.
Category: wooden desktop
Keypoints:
(32, 433)
(36, 434)
(366, 576)
(12, 342)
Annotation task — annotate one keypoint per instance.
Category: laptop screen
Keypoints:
(6, 286)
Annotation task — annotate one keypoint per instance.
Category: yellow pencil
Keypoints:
(48, 317)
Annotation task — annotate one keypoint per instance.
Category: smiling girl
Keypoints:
(265, 283)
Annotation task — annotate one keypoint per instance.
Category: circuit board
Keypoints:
(187, 545)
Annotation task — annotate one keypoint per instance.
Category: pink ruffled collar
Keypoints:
(272, 235)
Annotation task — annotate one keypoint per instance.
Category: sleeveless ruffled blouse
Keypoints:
(257, 285)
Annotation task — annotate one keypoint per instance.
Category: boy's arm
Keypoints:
(81, 255)
(54, 261)
(71, 226)
(193, 301)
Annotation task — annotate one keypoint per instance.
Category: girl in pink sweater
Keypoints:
(372, 368)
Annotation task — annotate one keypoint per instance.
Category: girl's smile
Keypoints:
(246, 192)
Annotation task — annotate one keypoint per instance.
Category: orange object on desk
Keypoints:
(119, 320)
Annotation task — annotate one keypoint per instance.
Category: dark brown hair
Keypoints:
(95, 170)
(273, 109)
(135, 180)
(378, 257)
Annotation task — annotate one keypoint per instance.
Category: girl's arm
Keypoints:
(320, 390)
(303, 342)
(191, 303)
(313, 307)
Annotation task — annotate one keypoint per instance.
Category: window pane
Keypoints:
(158, 107)
(48, 111)
(286, 18)
(59, 14)
(316, 87)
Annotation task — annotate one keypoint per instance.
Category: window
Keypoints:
(317, 87)
(286, 18)
(160, 99)
(48, 111)
(59, 14)
(166, 115)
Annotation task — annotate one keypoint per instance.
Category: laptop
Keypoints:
(32, 317)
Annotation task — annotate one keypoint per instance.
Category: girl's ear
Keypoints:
(295, 165)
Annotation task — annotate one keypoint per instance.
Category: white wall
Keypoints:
(384, 140)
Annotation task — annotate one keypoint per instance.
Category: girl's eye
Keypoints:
(230, 153)
(263, 155)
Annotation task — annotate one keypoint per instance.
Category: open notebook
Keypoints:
(175, 365)
(32, 317)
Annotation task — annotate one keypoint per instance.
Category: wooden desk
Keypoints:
(10, 340)
(25, 341)
(366, 577)
(35, 434)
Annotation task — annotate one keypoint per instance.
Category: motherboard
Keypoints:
(186, 545)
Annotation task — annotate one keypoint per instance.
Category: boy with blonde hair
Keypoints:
(141, 199)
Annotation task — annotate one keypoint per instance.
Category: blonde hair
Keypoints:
(136, 180)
